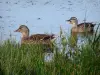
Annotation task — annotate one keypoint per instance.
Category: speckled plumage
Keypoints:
(82, 27)
(34, 39)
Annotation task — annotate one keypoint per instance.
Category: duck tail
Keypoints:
(53, 36)
(93, 23)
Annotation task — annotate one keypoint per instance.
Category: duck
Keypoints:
(35, 38)
(82, 27)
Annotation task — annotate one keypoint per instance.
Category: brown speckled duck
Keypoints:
(36, 38)
(82, 27)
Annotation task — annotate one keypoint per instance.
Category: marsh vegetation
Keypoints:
(68, 58)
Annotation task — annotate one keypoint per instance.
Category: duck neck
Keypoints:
(25, 35)
(75, 24)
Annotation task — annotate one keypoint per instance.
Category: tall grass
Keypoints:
(29, 59)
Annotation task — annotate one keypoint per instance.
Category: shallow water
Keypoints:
(45, 16)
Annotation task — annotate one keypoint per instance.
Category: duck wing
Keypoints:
(37, 37)
(86, 24)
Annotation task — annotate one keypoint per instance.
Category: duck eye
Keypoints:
(20, 28)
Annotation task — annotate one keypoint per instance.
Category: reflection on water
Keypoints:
(48, 57)
(77, 39)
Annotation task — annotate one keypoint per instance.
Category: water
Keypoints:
(45, 16)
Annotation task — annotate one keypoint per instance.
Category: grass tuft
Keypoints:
(72, 60)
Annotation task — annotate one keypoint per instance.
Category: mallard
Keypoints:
(82, 27)
(36, 38)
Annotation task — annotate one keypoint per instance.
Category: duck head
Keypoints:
(24, 30)
(73, 21)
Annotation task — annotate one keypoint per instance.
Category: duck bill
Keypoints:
(68, 20)
(16, 30)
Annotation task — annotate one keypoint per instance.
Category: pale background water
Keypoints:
(44, 16)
